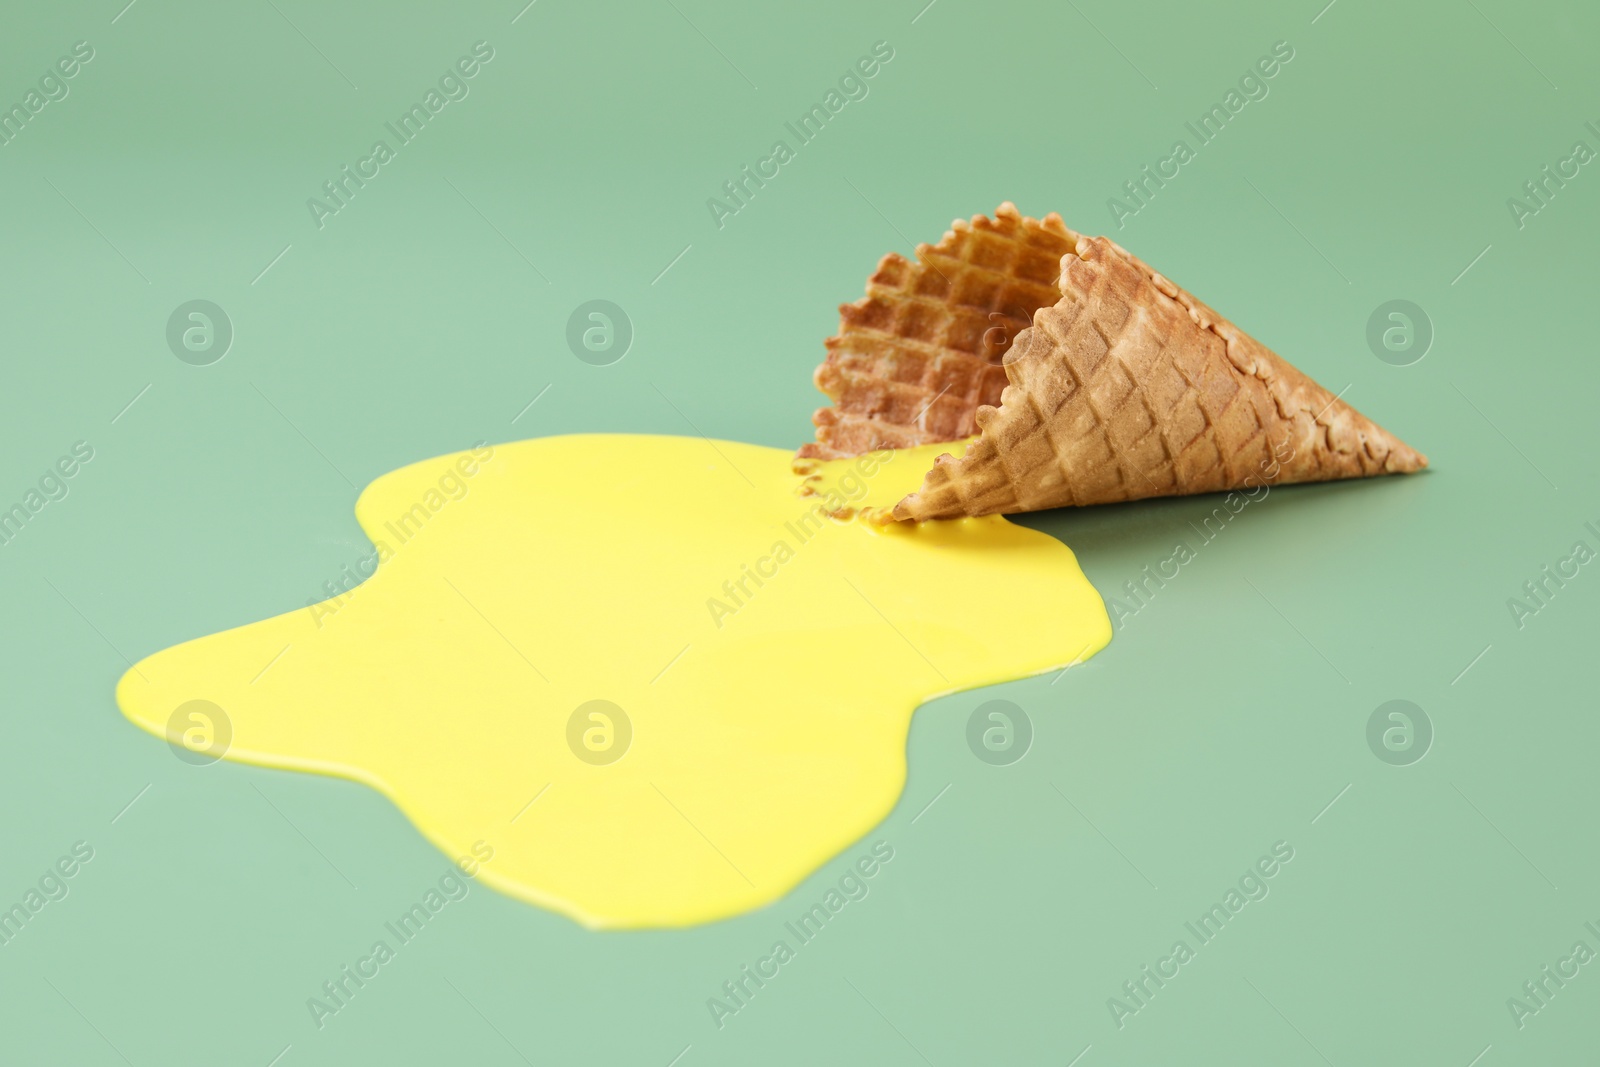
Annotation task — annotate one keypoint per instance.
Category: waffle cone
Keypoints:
(1124, 387)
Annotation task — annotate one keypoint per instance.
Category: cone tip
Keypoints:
(1407, 460)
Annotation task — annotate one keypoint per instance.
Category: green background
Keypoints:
(1224, 717)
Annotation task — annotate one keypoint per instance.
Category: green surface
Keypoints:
(1225, 717)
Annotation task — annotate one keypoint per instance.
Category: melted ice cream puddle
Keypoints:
(663, 685)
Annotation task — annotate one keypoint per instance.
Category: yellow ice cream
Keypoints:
(652, 673)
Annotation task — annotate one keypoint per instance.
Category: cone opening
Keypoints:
(918, 356)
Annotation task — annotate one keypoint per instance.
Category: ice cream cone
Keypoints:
(1124, 387)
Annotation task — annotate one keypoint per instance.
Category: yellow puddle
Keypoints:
(657, 680)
